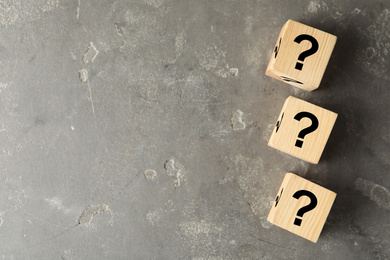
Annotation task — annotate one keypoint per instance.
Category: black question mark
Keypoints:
(290, 80)
(277, 48)
(307, 208)
(279, 123)
(314, 125)
(307, 53)
(278, 198)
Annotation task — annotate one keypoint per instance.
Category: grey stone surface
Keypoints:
(138, 129)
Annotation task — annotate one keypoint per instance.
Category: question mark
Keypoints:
(307, 53)
(279, 123)
(307, 130)
(307, 208)
(277, 48)
(278, 198)
(290, 80)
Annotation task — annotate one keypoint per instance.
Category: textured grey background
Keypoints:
(142, 161)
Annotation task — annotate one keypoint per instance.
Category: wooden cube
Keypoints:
(301, 207)
(301, 55)
(302, 129)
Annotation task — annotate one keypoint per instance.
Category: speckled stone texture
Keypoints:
(139, 129)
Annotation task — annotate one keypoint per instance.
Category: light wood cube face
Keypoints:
(301, 55)
(302, 129)
(301, 207)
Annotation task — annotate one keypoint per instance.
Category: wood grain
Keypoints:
(313, 143)
(285, 213)
(288, 52)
